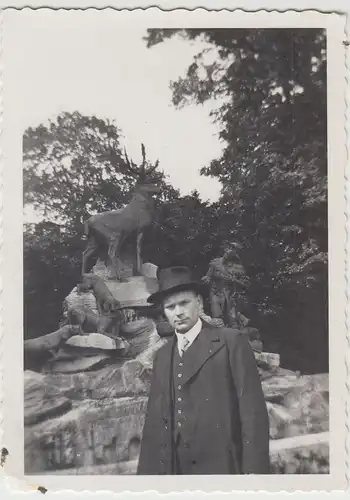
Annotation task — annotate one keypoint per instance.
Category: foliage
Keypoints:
(75, 166)
(270, 92)
(51, 270)
(270, 87)
(186, 233)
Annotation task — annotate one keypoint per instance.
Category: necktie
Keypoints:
(184, 345)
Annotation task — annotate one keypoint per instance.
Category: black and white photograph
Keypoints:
(176, 196)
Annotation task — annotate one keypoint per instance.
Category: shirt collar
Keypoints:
(192, 334)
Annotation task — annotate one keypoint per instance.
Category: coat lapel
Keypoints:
(204, 347)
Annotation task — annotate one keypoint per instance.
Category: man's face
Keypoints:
(182, 310)
(230, 252)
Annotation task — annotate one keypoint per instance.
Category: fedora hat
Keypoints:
(175, 279)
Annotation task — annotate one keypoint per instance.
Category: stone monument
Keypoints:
(86, 385)
(85, 394)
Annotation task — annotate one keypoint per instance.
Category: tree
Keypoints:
(270, 87)
(51, 269)
(73, 167)
(186, 233)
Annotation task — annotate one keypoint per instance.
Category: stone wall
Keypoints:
(93, 432)
(102, 425)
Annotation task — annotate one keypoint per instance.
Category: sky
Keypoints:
(95, 65)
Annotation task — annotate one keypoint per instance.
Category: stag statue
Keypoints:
(107, 232)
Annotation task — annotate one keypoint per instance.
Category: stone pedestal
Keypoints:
(307, 454)
(134, 292)
(93, 432)
(86, 407)
(84, 413)
(87, 418)
(94, 420)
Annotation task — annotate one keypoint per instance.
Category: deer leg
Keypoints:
(113, 253)
(138, 252)
(112, 249)
(115, 246)
(90, 255)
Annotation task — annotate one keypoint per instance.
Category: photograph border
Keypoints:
(11, 271)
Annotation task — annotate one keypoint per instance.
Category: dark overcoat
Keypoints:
(228, 420)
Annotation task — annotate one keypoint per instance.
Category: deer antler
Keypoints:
(131, 170)
(152, 169)
(143, 151)
(143, 166)
(144, 173)
(140, 173)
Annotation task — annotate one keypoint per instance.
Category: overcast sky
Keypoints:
(91, 64)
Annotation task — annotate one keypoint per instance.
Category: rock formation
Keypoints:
(84, 409)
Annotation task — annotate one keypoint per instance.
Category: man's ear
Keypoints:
(200, 300)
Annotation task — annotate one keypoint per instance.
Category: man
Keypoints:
(206, 412)
(227, 280)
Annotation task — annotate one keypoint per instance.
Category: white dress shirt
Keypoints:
(184, 340)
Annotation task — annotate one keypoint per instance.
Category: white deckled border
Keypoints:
(167, 5)
(11, 253)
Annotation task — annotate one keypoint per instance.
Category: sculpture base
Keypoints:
(134, 292)
(100, 428)
(91, 417)
(84, 413)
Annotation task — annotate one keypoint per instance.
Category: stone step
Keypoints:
(297, 405)
(42, 401)
(92, 433)
(296, 442)
(128, 467)
(76, 365)
(308, 454)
